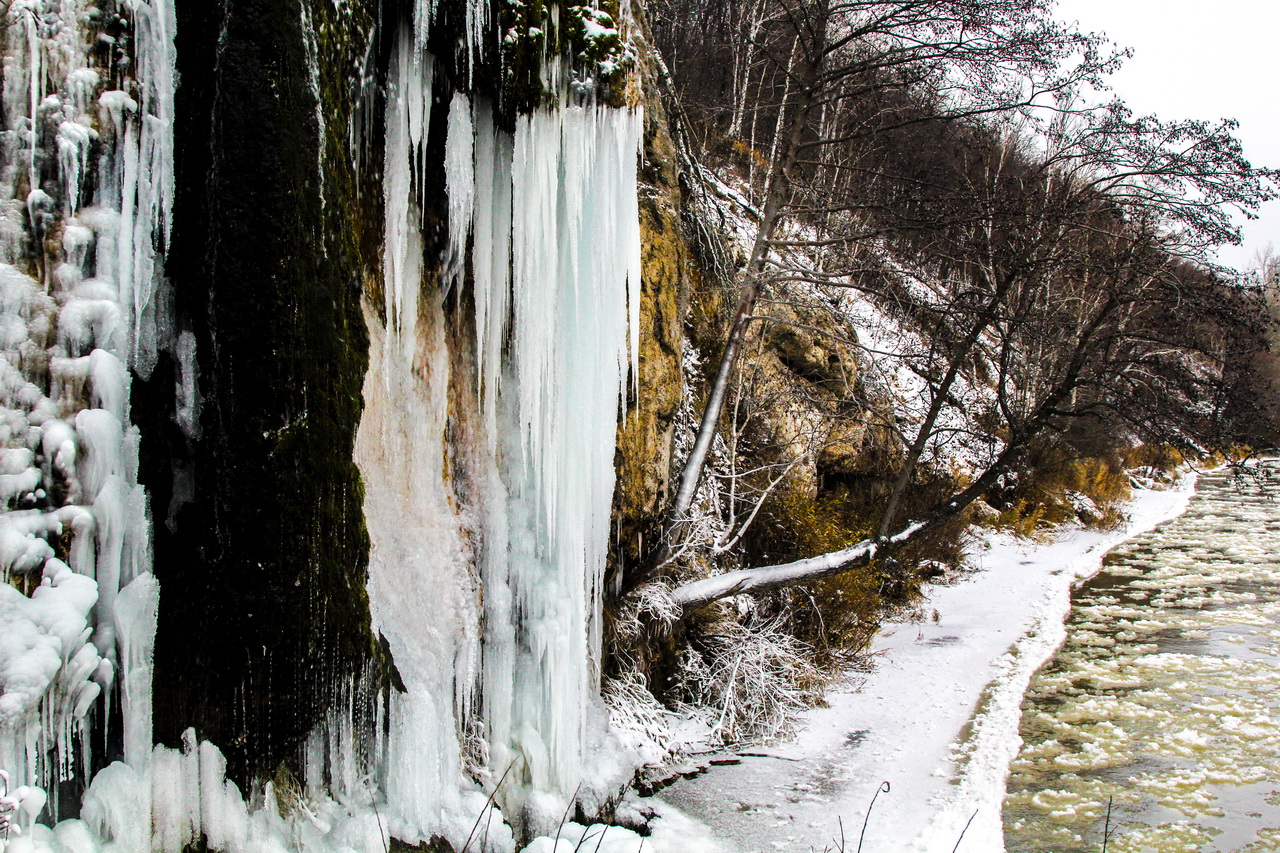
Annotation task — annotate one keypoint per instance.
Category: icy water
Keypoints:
(1165, 698)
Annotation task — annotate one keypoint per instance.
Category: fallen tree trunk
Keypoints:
(700, 593)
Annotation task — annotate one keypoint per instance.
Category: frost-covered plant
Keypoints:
(594, 35)
(22, 800)
(648, 608)
(8, 805)
(640, 721)
(754, 678)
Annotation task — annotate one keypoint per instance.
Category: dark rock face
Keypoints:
(260, 545)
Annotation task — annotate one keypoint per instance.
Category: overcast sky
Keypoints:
(1203, 59)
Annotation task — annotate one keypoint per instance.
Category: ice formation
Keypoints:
(487, 444)
(575, 276)
(546, 222)
(86, 174)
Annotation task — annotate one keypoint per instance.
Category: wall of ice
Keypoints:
(492, 405)
(86, 186)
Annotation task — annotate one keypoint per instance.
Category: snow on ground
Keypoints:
(937, 718)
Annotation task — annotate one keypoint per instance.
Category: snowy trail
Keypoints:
(937, 718)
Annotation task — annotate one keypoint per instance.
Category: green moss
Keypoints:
(263, 614)
(590, 41)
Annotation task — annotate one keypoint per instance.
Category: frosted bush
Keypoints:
(643, 725)
(649, 608)
(754, 678)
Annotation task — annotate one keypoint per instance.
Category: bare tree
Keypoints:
(1112, 357)
(1073, 285)
(979, 56)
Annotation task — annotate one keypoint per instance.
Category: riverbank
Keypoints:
(937, 718)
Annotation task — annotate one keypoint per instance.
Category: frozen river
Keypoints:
(1165, 699)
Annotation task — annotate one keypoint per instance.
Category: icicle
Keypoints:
(574, 253)
(134, 613)
(424, 13)
(548, 222)
(407, 122)
(74, 141)
(145, 229)
(491, 255)
(68, 456)
(459, 174)
(477, 23)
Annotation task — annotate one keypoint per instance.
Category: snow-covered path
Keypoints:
(937, 718)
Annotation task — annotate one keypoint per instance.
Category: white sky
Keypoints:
(1205, 59)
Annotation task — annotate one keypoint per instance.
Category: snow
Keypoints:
(937, 717)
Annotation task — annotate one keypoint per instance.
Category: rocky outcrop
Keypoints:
(671, 270)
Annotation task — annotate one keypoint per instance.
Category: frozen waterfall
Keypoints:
(499, 352)
(495, 594)
(87, 189)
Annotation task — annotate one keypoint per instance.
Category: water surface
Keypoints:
(1165, 699)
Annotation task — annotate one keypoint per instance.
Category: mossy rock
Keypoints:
(668, 271)
(260, 545)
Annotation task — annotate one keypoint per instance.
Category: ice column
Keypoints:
(575, 279)
(407, 121)
(545, 224)
(423, 592)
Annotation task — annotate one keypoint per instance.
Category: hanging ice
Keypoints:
(407, 120)
(486, 446)
(85, 195)
(575, 267)
(546, 222)
(459, 183)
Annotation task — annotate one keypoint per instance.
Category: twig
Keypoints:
(488, 802)
(564, 817)
(963, 831)
(883, 788)
(1106, 827)
(386, 843)
(585, 837)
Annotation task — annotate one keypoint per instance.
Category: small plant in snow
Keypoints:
(643, 724)
(8, 805)
(754, 679)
